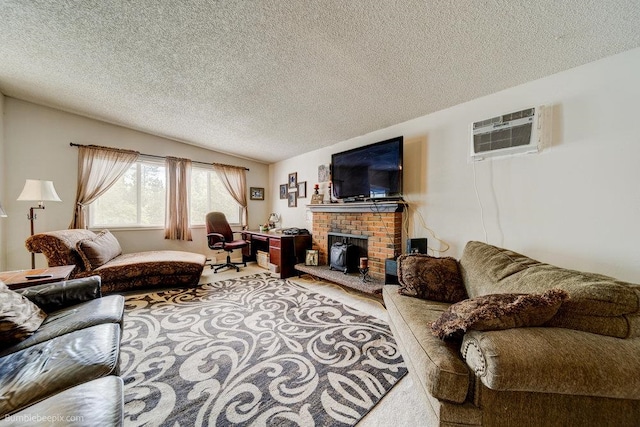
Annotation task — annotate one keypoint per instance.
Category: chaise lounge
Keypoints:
(101, 254)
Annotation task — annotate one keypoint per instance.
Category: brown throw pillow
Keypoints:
(19, 317)
(497, 312)
(98, 250)
(426, 277)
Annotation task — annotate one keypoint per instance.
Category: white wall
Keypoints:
(3, 245)
(36, 141)
(576, 204)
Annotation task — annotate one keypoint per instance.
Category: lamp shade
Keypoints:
(3, 214)
(36, 190)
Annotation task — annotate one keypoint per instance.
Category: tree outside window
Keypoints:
(209, 194)
(137, 199)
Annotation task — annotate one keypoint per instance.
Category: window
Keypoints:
(209, 194)
(137, 199)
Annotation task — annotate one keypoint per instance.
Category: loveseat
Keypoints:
(579, 366)
(59, 355)
(101, 254)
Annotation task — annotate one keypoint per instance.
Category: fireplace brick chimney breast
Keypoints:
(382, 227)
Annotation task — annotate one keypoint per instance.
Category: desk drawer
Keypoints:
(275, 243)
(259, 238)
(275, 255)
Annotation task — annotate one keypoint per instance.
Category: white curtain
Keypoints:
(98, 169)
(177, 219)
(234, 179)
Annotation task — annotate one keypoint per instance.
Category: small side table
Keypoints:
(17, 279)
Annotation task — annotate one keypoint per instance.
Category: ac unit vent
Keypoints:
(519, 132)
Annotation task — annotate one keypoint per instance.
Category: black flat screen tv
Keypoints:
(370, 172)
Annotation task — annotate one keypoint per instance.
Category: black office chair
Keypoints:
(220, 236)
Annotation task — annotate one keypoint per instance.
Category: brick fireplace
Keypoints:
(380, 222)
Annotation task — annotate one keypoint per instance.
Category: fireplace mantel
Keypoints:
(383, 206)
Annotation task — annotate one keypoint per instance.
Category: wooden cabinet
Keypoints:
(285, 251)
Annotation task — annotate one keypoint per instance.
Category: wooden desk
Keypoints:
(17, 279)
(285, 251)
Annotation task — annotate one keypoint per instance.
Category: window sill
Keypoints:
(99, 228)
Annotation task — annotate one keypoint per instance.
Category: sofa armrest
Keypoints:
(555, 360)
(437, 365)
(55, 296)
(59, 247)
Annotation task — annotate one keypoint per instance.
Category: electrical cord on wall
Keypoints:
(475, 187)
(405, 219)
(376, 209)
(424, 225)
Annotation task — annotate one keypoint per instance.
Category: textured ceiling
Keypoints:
(268, 80)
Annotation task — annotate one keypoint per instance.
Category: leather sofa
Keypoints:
(100, 254)
(580, 368)
(66, 372)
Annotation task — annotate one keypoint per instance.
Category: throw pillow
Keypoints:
(426, 277)
(98, 250)
(19, 317)
(498, 311)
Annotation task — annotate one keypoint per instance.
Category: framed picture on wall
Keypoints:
(293, 180)
(302, 190)
(256, 193)
(293, 199)
(283, 191)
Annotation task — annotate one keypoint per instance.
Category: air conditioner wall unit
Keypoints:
(520, 132)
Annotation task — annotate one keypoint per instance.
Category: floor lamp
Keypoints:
(39, 191)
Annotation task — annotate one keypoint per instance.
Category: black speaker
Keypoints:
(417, 246)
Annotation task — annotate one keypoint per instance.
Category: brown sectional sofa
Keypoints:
(581, 368)
(123, 272)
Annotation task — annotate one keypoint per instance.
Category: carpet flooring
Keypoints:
(254, 350)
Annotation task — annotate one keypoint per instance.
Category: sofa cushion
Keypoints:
(596, 303)
(427, 277)
(52, 366)
(99, 403)
(98, 250)
(56, 296)
(498, 311)
(108, 309)
(19, 317)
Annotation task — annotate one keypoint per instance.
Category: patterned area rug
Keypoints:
(257, 351)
